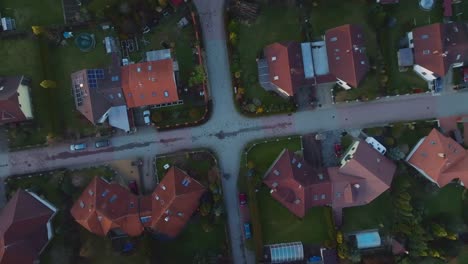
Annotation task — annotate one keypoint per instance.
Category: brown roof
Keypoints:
(347, 53)
(23, 228)
(10, 110)
(104, 206)
(95, 96)
(297, 185)
(174, 201)
(440, 158)
(285, 62)
(437, 46)
(149, 83)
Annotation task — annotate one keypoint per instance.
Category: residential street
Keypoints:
(227, 132)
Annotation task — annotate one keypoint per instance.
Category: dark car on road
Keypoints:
(102, 143)
(242, 199)
(247, 232)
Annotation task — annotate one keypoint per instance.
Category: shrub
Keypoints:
(156, 117)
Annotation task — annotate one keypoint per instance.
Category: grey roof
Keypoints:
(307, 60)
(405, 57)
(10, 86)
(118, 117)
(156, 55)
(319, 53)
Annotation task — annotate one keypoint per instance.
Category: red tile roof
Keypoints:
(10, 110)
(437, 46)
(174, 201)
(365, 176)
(23, 228)
(149, 83)
(347, 54)
(285, 64)
(104, 206)
(440, 158)
(296, 185)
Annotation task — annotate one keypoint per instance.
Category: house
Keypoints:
(364, 174)
(174, 201)
(99, 97)
(151, 83)
(104, 207)
(281, 70)
(25, 228)
(15, 100)
(297, 185)
(440, 159)
(437, 47)
(346, 53)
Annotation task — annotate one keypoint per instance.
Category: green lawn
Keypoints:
(29, 13)
(263, 154)
(447, 201)
(376, 214)
(275, 24)
(279, 225)
(54, 108)
(182, 41)
(269, 218)
(193, 240)
(62, 61)
(24, 58)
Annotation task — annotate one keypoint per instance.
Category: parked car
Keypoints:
(146, 117)
(242, 199)
(102, 143)
(133, 186)
(338, 150)
(79, 146)
(247, 232)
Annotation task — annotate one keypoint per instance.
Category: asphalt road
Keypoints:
(227, 132)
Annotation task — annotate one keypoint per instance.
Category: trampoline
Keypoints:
(426, 5)
(85, 42)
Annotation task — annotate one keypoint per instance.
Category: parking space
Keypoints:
(328, 141)
(324, 94)
(138, 116)
(305, 98)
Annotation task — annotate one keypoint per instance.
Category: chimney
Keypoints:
(357, 186)
(300, 186)
(166, 219)
(273, 58)
(442, 155)
(297, 201)
(272, 190)
(275, 184)
(163, 187)
(276, 78)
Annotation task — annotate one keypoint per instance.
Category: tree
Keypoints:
(205, 208)
(438, 230)
(233, 38)
(195, 113)
(198, 76)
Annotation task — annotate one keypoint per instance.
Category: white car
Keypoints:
(146, 117)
